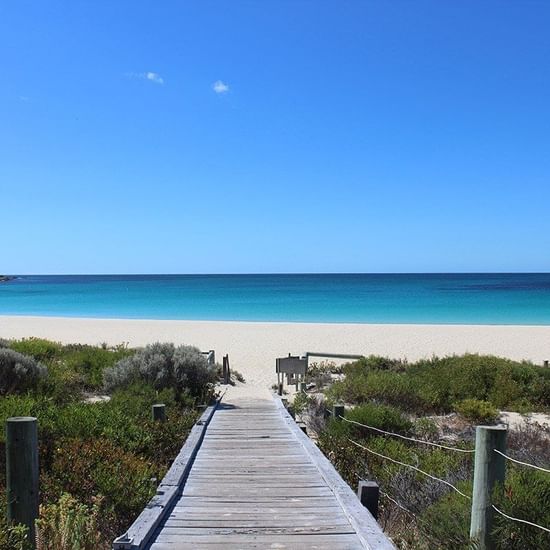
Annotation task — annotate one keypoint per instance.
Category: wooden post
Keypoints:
(226, 374)
(159, 412)
(303, 387)
(22, 471)
(545, 364)
(368, 493)
(280, 388)
(338, 411)
(489, 469)
(228, 371)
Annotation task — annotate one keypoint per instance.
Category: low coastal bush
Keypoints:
(183, 368)
(13, 537)
(98, 468)
(69, 525)
(18, 372)
(437, 384)
(478, 411)
(94, 449)
(40, 349)
(418, 511)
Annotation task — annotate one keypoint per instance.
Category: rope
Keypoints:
(522, 463)
(412, 467)
(520, 520)
(398, 504)
(409, 438)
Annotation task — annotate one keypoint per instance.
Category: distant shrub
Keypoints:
(477, 410)
(69, 525)
(90, 361)
(164, 366)
(19, 372)
(40, 349)
(301, 402)
(379, 416)
(384, 417)
(376, 362)
(436, 384)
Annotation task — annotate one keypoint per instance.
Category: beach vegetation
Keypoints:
(476, 410)
(438, 400)
(13, 537)
(101, 457)
(18, 372)
(69, 525)
(183, 368)
(437, 384)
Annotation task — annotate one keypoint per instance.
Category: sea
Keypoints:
(450, 298)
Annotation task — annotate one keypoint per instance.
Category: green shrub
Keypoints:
(40, 349)
(379, 416)
(19, 372)
(13, 537)
(384, 417)
(526, 495)
(300, 403)
(99, 468)
(164, 366)
(91, 361)
(69, 525)
(436, 384)
(477, 410)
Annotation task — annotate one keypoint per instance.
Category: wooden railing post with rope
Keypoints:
(489, 464)
(489, 470)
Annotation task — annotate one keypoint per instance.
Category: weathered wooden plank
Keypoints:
(263, 542)
(319, 524)
(191, 531)
(194, 490)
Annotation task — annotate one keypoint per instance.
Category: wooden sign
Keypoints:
(291, 365)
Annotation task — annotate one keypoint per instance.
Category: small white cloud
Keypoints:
(220, 87)
(149, 75)
(154, 77)
(24, 98)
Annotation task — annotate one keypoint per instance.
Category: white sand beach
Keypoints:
(253, 347)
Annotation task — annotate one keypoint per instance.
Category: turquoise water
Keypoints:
(362, 298)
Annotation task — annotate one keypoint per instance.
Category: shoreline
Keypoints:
(276, 322)
(253, 346)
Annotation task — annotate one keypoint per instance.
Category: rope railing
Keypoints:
(435, 478)
(520, 520)
(412, 467)
(430, 443)
(520, 462)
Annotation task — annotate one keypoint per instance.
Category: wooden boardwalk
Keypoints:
(258, 482)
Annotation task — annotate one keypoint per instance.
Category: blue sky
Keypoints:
(274, 136)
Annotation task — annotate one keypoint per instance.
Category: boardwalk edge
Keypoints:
(141, 531)
(366, 527)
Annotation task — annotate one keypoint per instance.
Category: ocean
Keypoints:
(489, 298)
